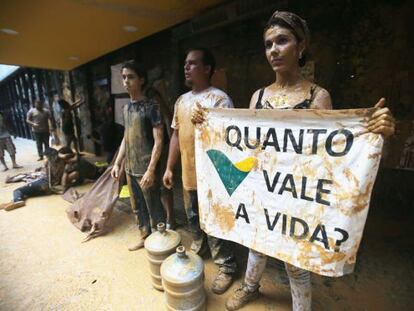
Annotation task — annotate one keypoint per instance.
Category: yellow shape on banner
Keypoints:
(246, 165)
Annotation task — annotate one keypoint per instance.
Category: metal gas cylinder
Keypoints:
(183, 281)
(160, 245)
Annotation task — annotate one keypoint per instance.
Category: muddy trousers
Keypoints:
(33, 189)
(299, 280)
(146, 205)
(221, 250)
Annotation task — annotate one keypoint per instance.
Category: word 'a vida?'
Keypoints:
(297, 228)
(337, 143)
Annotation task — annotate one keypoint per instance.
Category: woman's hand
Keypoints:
(382, 121)
(198, 115)
(147, 180)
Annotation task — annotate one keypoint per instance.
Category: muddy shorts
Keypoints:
(7, 144)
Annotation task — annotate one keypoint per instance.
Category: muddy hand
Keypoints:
(198, 115)
(382, 121)
(168, 179)
(147, 180)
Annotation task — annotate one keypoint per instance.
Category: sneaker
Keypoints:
(40, 159)
(3, 205)
(241, 297)
(13, 205)
(141, 242)
(137, 246)
(221, 283)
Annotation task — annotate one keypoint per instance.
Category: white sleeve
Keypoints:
(175, 122)
(224, 102)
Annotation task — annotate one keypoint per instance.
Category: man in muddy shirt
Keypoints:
(141, 148)
(198, 69)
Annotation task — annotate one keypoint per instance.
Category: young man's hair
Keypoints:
(51, 153)
(207, 58)
(136, 67)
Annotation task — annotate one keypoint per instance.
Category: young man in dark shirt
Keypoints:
(141, 148)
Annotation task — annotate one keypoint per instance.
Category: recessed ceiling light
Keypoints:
(73, 58)
(130, 28)
(9, 31)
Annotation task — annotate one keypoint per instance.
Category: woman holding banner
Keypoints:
(286, 40)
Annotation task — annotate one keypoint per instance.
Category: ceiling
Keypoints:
(63, 34)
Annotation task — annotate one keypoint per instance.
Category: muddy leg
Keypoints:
(167, 200)
(13, 158)
(4, 164)
(301, 288)
(256, 265)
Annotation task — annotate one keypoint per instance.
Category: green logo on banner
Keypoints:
(231, 174)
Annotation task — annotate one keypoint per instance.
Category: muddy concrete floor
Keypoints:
(44, 265)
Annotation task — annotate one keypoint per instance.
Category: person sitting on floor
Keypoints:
(48, 182)
(77, 169)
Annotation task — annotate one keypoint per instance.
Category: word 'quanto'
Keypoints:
(297, 228)
(280, 139)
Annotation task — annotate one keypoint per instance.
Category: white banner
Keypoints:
(294, 185)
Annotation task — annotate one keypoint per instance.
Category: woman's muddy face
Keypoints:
(282, 49)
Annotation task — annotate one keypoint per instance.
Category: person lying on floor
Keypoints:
(25, 177)
(48, 182)
(77, 169)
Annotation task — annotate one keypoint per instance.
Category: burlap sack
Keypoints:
(92, 211)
